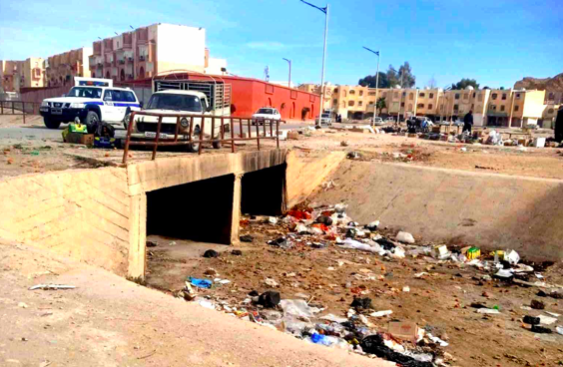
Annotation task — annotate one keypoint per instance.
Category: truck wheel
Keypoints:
(126, 118)
(51, 124)
(194, 147)
(92, 120)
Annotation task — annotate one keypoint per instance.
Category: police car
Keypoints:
(91, 100)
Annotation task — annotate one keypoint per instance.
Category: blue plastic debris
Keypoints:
(200, 283)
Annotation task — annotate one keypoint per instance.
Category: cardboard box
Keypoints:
(79, 138)
(473, 253)
(403, 330)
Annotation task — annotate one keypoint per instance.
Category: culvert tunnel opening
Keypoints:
(199, 211)
(263, 192)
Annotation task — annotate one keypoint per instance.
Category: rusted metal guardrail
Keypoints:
(19, 108)
(264, 129)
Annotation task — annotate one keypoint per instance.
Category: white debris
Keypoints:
(273, 220)
(333, 318)
(559, 330)
(511, 256)
(270, 282)
(406, 289)
(381, 313)
(546, 320)
(51, 287)
(22, 305)
(488, 311)
(405, 237)
(437, 340)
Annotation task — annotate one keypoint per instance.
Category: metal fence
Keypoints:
(186, 136)
(19, 108)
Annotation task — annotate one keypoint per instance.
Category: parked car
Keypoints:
(91, 100)
(265, 113)
(324, 119)
(175, 102)
(390, 120)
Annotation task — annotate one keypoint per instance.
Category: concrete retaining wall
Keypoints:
(490, 210)
(306, 172)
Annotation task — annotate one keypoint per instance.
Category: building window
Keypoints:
(494, 96)
(352, 92)
(402, 104)
(370, 103)
(370, 94)
(492, 107)
(335, 90)
(504, 96)
(456, 96)
(351, 103)
(431, 95)
(465, 95)
(411, 96)
(360, 103)
(517, 95)
(361, 93)
(420, 105)
(430, 106)
(502, 108)
(516, 108)
(421, 95)
(396, 94)
(480, 98)
(456, 107)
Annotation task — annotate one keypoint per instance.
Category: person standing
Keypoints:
(468, 122)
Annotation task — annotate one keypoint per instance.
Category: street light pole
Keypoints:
(289, 79)
(325, 10)
(376, 83)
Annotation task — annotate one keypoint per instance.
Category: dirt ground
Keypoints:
(332, 277)
(17, 121)
(107, 321)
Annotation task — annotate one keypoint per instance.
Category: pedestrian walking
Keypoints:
(468, 122)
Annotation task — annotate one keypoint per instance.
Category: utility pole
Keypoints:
(376, 82)
(289, 79)
(325, 10)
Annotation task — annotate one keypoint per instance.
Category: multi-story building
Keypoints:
(61, 69)
(147, 51)
(22, 74)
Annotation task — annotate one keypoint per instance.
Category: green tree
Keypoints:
(392, 76)
(464, 83)
(406, 77)
(370, 81)
(380, 105)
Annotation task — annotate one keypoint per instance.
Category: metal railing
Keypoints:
(19, 108)
(264, 130)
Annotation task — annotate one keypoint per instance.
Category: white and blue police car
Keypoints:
(91, 100)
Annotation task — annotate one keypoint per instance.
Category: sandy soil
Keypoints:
(109, 321)
(332, 277)
(17, 121)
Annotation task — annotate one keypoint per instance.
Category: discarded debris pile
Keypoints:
(362, 327)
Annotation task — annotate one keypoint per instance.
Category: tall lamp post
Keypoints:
(376, 82)
(289, 79)
(325, 10)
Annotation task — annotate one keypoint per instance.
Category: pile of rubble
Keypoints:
(402, 341)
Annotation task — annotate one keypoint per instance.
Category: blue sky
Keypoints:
(495, 41)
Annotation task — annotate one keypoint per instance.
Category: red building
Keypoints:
(248, 95)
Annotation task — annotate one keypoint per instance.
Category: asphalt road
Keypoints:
(42, 133)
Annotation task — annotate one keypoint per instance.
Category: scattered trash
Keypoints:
(381, 313)
(246, 238)
(271, 282)
(210, 254)
(437, 340)
(441, 252)
(361, 303)
(512, 257)
(353, 155)
(538, 305)
(531, 320)
(273, 220)
(236, 253)
(269, 299)
(546, 320)
(298, 308)
(406, 289)
(490, 311)
(375, 344)
(51, 287)
(405, 237)
(200, 283)
(22, 305)
(559, 330)
(151, 244)
(173, 243)
(541, 329)
(403, 330)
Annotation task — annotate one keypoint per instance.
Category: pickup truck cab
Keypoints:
(324, 119)
(91, 100)
(175, 102)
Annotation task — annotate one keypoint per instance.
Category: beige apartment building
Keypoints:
(16, 75)
(147, 51)
(61, 69)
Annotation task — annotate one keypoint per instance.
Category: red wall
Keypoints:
(248, 95)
